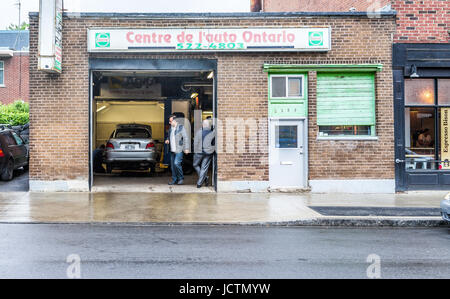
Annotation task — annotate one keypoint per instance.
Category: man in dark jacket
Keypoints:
(204, 148)
(179, 143)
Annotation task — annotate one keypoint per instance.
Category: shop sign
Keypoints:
(209, 40)
(445, 135)
(50, 36)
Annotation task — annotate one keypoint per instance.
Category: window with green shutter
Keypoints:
(346, 104)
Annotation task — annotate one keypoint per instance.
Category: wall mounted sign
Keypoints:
(209, 40)
(445, 135)
(50, 35)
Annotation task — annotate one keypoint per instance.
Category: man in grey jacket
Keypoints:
(204, 147)
(179, 143)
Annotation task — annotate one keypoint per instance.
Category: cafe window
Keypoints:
(286, 87)
(2, 73)
(346, 105)
(427, 112)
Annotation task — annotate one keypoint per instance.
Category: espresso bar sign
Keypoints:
(209, 40)
(445, 135)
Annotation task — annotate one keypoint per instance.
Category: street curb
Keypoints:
(335, 222)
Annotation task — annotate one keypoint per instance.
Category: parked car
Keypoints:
(445, 208)
(131, 146)
(13, 154)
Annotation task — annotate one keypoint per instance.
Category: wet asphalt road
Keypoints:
(18, 184)
(110, 251)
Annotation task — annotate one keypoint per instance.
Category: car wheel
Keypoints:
(8, 172)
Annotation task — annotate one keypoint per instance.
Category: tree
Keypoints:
(23, 26)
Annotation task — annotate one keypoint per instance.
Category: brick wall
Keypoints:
(422, 21)
(16, 77)
(323, 5)
(59, 103)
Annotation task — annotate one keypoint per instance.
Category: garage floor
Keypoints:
(123, 182)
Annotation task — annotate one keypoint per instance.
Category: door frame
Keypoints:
(167, 65)
(305, 144)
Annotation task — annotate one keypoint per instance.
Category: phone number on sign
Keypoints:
(211, 46)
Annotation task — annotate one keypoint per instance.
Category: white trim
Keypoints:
(6, 53)
(353, 186)
(242, 186)
(59, 186)
(361, 138)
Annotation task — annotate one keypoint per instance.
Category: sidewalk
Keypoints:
(409, 209)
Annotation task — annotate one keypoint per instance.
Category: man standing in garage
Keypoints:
(204, 142)
(178, 142)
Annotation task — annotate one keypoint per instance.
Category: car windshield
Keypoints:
(132, 133)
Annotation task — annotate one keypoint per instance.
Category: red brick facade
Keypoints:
(322, 5)
(16, 78)
(59, 103)
(422, 21)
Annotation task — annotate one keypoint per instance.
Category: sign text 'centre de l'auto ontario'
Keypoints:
(205, 40)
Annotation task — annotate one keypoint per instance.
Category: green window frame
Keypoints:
(2, 73)
(346, 105)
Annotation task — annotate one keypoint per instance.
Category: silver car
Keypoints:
(445, 208)
(131, 147)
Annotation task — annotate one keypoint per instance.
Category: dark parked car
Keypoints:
(13, 154)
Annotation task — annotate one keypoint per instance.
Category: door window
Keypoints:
(427, 131)
(286, 136)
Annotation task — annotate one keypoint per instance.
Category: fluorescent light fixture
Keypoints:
(211, 75)
(101, 108)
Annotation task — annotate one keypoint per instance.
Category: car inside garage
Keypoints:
(130, 122)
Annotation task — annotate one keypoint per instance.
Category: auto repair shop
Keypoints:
(298, 100)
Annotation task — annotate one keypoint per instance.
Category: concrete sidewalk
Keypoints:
(213, 209)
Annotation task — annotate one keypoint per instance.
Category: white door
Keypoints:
(287, 153)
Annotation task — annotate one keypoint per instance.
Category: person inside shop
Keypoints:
(98, 159)
(178, 144)
(425, 139)
(204, 147)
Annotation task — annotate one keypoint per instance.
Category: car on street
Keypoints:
(131, 147)
(13, 153)
(445, 208)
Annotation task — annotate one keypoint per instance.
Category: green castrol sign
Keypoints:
(316, 38)
(102, 40)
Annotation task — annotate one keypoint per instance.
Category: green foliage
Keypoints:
(15, 114)
(23, 26)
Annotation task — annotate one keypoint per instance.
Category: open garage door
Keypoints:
(129, 125)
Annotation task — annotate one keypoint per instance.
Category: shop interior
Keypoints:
(147, 99)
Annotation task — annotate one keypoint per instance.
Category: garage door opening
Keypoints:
(130, 122)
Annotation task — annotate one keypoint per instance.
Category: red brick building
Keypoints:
(319, 5)
(14, 66)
